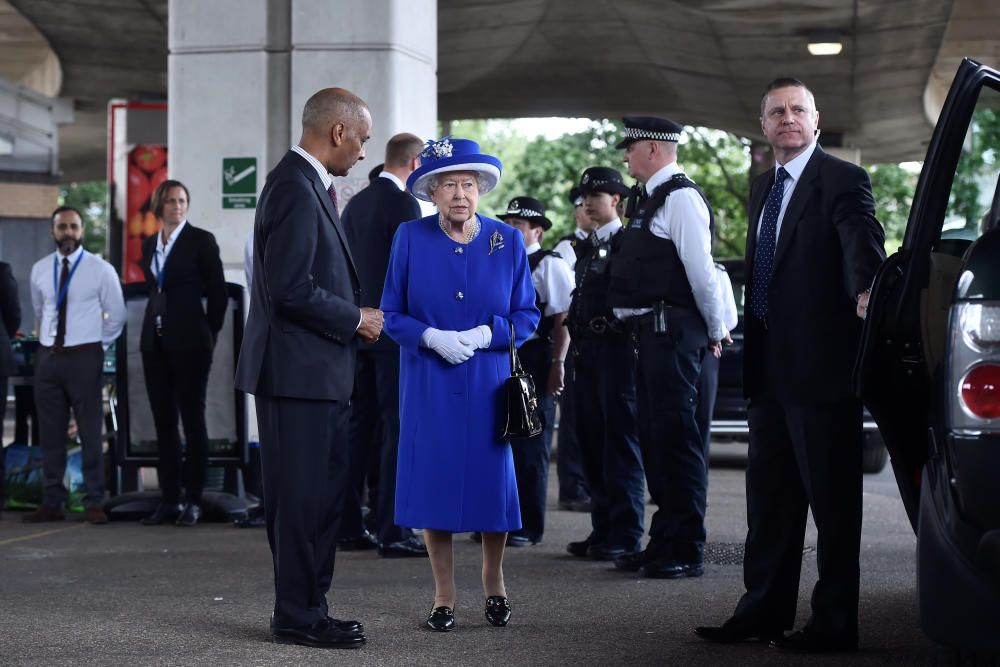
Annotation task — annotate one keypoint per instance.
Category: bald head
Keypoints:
(330, 106)
(336, 125)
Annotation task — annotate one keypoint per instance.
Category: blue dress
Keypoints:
(454, 472)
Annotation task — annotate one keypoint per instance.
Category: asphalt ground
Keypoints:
(124, 594)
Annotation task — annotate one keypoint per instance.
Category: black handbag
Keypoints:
(523, 418)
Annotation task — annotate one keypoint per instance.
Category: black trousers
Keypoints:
(304, 460)
(176, 383)
(374, 442)
(531, 455)
(569, 466)
(608, 434)
(708, 388)
(673, 451)
(802, 457)
(64, 379)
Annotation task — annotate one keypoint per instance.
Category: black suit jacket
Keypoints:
(193, 270)
(299, 340)
(829, 247)
(371, 220)
(10, 320)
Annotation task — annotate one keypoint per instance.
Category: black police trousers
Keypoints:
(674, 454)
(608, 435)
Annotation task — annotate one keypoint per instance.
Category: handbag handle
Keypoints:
(515, 363)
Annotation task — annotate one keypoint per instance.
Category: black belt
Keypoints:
(71, 348)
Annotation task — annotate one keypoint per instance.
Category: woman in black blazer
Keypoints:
(182, 266)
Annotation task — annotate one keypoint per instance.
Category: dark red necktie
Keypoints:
(332, 191)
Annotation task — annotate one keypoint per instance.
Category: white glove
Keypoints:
(480, 337)
(449, 345)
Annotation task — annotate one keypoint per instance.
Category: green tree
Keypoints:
(892, 187)
(90, 198)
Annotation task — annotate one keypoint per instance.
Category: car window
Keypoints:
(975, 181)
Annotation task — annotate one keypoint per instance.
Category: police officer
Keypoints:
(573, 246)
(664, 285)
(543, 356)
(605, 383)
(574, 495)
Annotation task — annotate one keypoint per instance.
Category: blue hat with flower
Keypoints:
(447, 154)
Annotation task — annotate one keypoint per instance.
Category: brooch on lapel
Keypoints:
(496, 242)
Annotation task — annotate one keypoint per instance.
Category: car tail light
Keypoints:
(981, 325)
(981, 391)
(973, 367)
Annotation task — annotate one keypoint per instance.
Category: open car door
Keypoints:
(901, 368)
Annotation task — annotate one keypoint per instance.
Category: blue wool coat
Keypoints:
(454, 472)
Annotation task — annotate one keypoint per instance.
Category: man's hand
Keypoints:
(371, 324)
(715, 347)
(557, 377)
(863, 303)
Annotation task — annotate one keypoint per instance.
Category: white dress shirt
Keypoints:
(727, 300)
(684, 220)
(324, 176)
(794, 167)
(95, 308)
(392, 177)
(163, 250)
(565, 248)
(248, 259)
(553, 283)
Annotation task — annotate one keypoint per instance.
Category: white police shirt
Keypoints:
(566, 251)
(684, 220)
(553, 283)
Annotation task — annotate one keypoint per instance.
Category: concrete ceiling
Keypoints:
(701, 62)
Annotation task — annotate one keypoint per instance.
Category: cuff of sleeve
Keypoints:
(487, 334)
(426, 336)
(361, 318)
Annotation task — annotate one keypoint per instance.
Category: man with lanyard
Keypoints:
(573, 492)
(79, 311)
(605, 383)
(543, 356)
(664, 285)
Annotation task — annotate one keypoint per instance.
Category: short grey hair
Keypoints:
(433, 180)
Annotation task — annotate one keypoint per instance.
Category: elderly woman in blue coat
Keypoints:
(456, 283)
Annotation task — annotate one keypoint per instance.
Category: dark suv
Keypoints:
(729, 418)
(929, 368)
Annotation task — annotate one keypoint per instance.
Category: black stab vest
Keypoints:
(593, 278)
(580, 246)
(647, 268)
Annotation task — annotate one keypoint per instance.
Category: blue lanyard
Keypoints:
(156, 263)
(61, 293)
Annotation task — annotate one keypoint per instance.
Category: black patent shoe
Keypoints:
(497, 610)
(578, 549)
(441, 619)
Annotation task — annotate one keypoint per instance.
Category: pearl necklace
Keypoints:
(469, 233)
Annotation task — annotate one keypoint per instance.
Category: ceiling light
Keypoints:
(825, 43)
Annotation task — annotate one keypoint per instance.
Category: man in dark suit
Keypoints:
(813, 246)
(10, 320)
(298, 359)
(182, 266)
(370, 220)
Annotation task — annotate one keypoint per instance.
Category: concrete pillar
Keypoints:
(383, 50)
(239, 72)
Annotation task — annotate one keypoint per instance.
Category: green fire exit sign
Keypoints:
(239, 182)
